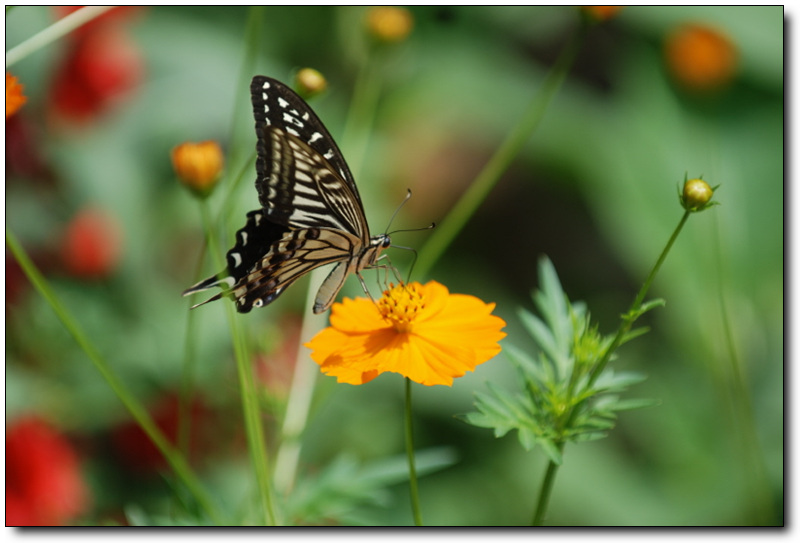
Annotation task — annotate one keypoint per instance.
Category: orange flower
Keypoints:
(419, 331)
(700, 58)
(389, 24)
(14, 97)
(601, 13)
(198, 165)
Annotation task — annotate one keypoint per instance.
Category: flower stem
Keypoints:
(635, 310)
(253, 428)
(546, 489)
(136, 409)
(412, 471)
(57, 30)
(445, 233)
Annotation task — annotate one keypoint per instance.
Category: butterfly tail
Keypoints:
(214, 281)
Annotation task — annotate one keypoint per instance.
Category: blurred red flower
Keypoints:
(102, 64)
(116, 15)
(91, 246)
(136, 451)
(44, 486)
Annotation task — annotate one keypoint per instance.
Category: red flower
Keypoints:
(44, 486)
(135, 449)
(91, 245)
(102, 64)
(111, 17)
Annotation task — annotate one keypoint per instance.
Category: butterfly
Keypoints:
(311, 213)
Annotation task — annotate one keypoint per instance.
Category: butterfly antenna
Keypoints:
(396, 211)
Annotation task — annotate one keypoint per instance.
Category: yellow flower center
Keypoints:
(400, 305)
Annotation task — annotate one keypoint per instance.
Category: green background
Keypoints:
(594, 189)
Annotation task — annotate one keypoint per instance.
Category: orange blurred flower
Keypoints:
(14, 97)
(389, 24)
(700, 58)
(198, 165)
(601, 13)
(92, 244)
(44, 486)
(419, 331)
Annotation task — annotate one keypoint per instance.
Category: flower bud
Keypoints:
(198, 165)
(601, 13)
(389, 24)
(14, 97)
(700, 58)
(309, 82)
(696, 195)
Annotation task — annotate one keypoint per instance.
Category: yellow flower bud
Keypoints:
(389, 24)
(696, 195)
(198, 165)
(309, 82)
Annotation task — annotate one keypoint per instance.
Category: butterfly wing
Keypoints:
(312, 213)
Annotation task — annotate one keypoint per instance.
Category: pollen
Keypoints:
(400, 305)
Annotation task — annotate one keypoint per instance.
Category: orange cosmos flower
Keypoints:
(14, 97)
(419, 331)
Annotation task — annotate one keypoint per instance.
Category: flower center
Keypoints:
(400, 306)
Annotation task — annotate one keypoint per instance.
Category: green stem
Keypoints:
(250, 405)
(635, 310)
(545, 490)
(448, 229)
(136, 409)
(412, 471)
(57, 30)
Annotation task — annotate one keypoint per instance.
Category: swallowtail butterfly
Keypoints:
(311, 213)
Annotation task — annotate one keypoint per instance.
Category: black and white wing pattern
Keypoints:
(311, 214)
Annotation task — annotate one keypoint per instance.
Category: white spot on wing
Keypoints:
(237, 259)
(314, 137)
(283, 103)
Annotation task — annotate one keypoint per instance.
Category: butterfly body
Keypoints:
(311, 212)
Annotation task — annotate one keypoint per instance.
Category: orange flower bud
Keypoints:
(700, 58)
(389, 24)
(601, 13)
(198, 165)
(696, 195)
(14, 97)
(309, 82)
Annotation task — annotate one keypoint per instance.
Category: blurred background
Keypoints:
(656, 93)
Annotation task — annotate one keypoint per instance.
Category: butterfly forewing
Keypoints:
(299, 187)
(311, 212)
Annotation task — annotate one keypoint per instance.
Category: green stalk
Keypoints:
(465, 208)
(136, 409)
(55, 31)
(250, 404)
(545, 490)
(635, 310)
(412, 472)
